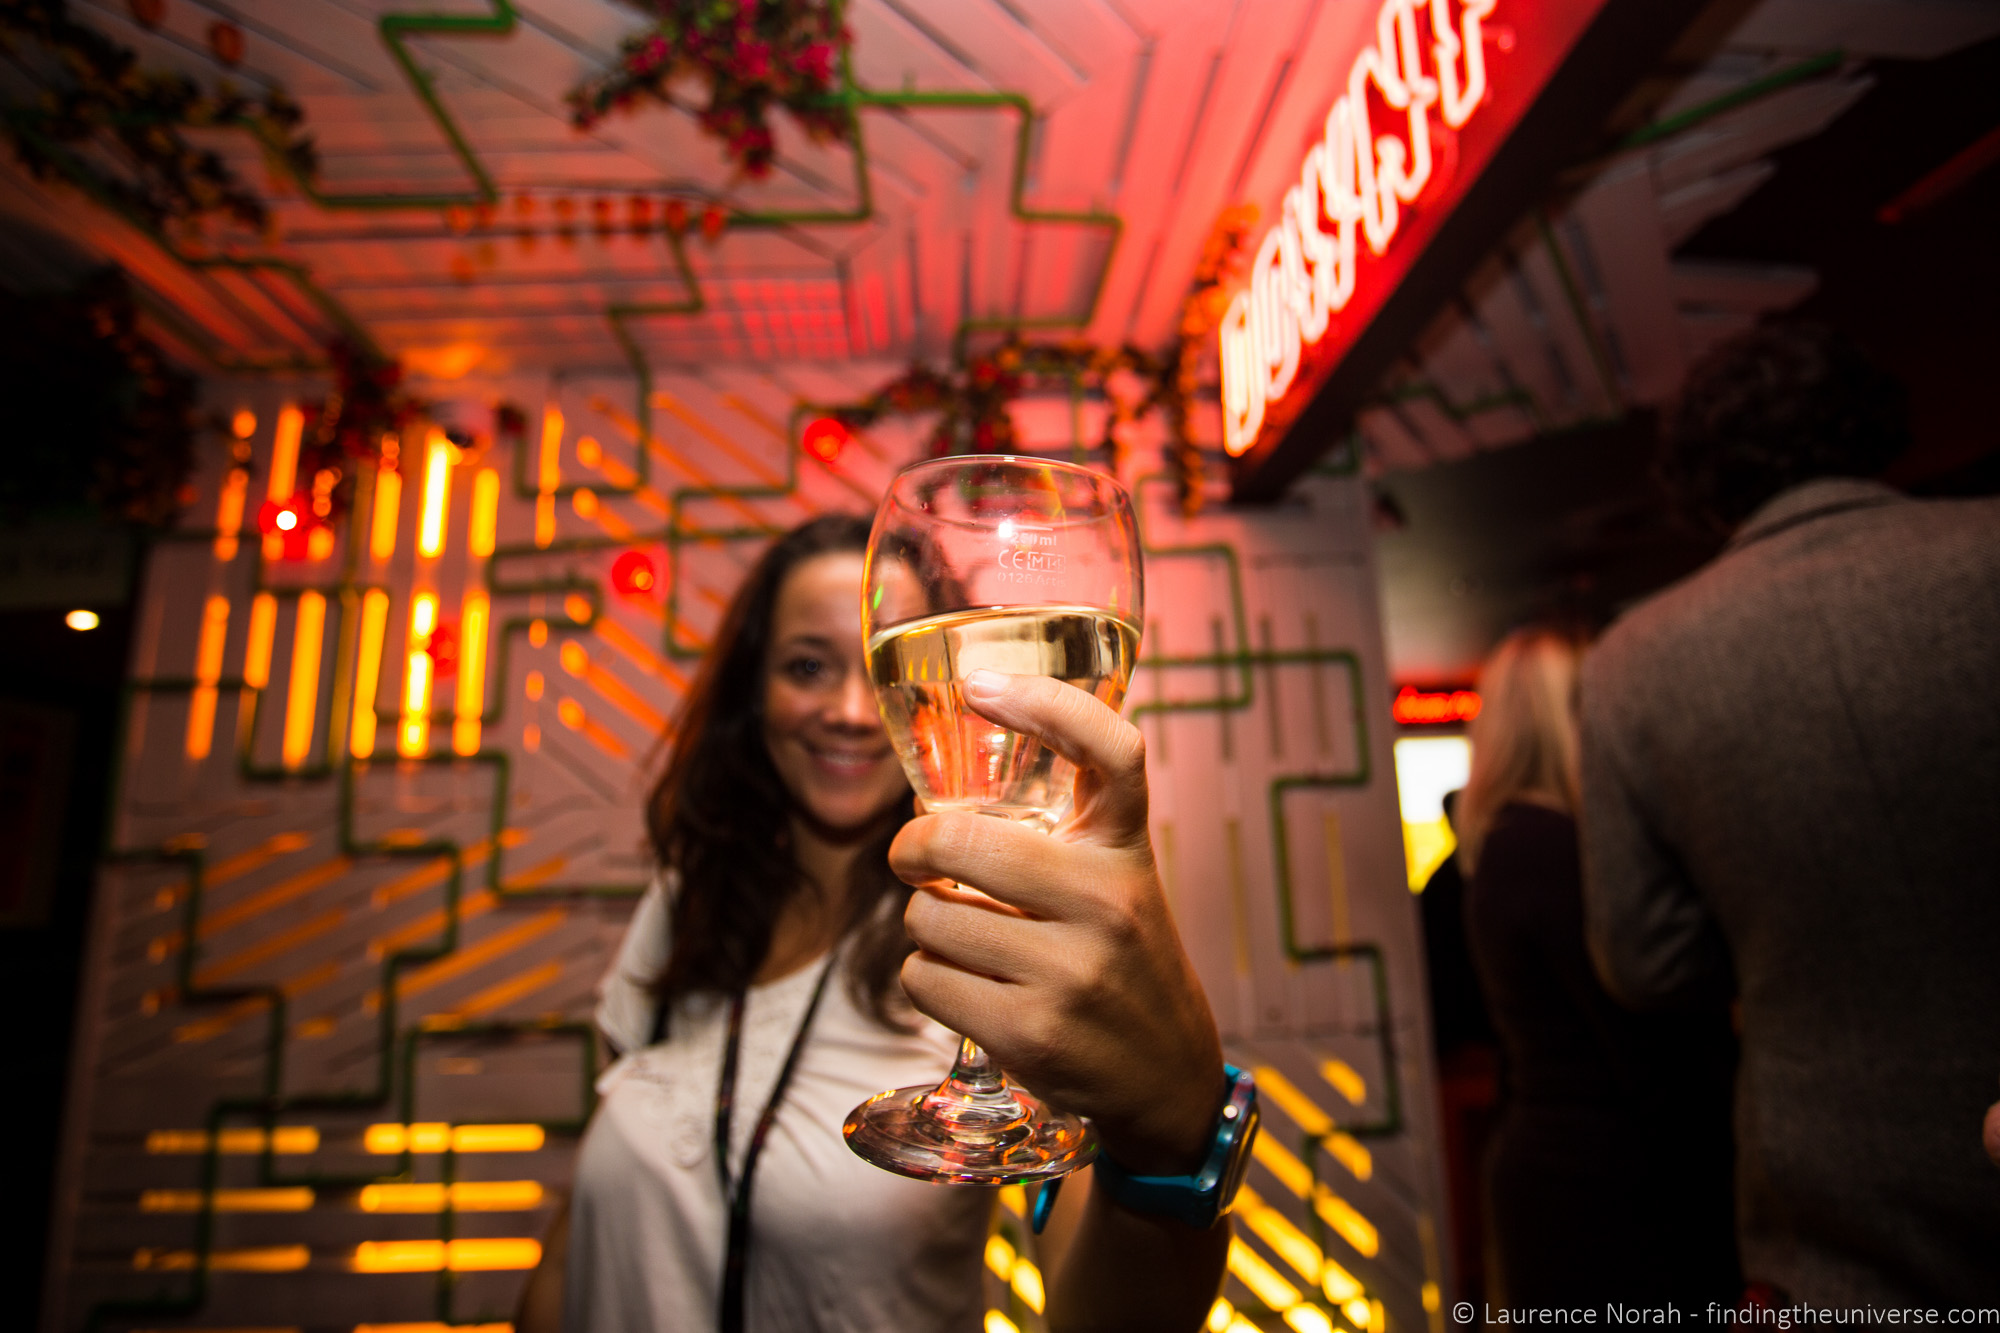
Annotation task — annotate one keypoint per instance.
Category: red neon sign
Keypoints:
(1433, 92)
(1428, 708)
(1358, 181)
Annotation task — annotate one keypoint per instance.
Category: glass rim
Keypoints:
(1060, 465)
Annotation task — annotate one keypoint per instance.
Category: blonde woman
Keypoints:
(1609, 1174)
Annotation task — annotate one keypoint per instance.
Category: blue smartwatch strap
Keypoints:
(1193, 1199)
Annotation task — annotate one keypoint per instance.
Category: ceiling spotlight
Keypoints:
(81, 619)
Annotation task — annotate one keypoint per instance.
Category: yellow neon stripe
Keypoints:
(1347, 1222)
(257, 646)
(628, 643)
(999, 1323)
(264, 900)
(302, 703)
(207, 671)
(291, 426)
(229, 512)
(287, 1139)
(1308, 1319)
(1276, 1230)
(437, 494)
(999, 1256)
(261, 1259)
(467, 958)
(471, 673)
(1279, 1160)
(217, 1024)
(1249, 1268)
(460, 1256)
(572, 716)
(413, 740)
(1351, 1153)
(484, 525)
(368, 672)
(433, 1327)
(1027, 1284)
(466, 1196)
(270, 947)
(388, 508)
(506, 992)
(1345, 1080)
(434, 1137)
(285, 1200)
(550, 476)
(576, 660)
(1305, 1112)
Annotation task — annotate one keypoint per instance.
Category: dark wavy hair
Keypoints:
(1768, 409)
(721, 817)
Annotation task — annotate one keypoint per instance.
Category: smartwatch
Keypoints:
(1195, 1200)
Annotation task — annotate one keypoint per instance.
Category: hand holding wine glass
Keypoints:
(1002, 607)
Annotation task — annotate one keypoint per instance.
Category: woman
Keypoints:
(1609, 1175)
(782, 824)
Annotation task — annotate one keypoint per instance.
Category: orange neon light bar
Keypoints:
(257, 647)
(434, 1137)
(284, 1199)
(229, 503)
(471, 673)
(414, 740)
(368, 672)
(437, 494)
(284, 478)
(459, 1256)
(302, 702)
(255, 1259)
(388, 506)
(550, 475)
(465, 1196)
(287, 1139)
(1358, 180)
(484, 526)
(207, 671)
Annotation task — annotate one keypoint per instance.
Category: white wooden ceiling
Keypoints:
(1159, 111)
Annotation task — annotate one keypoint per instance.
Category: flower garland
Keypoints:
(753, 55)
(972, 400)
(94, 90)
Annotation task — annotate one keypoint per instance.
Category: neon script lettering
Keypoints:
(1353, 181)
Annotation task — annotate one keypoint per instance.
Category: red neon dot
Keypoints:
(632, 574)
(825, 437)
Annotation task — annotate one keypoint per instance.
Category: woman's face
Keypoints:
(820, 723)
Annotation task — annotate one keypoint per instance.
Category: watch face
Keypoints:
(1239, 1156)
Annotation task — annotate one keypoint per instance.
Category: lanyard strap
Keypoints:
(736, 1258)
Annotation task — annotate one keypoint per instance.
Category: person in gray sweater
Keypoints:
(1791, 793)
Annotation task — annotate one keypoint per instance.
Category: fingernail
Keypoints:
(987, 685)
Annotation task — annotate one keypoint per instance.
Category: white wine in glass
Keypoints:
(956, 759)
(1025, 567)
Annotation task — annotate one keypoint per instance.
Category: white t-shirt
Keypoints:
(837, 1245)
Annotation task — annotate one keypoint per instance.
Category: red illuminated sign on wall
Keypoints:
(1428, 708)
(1433, 93)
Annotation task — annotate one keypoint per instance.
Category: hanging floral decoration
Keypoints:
(752, 55)
(971, 401)
(361, 420)
(94, 94)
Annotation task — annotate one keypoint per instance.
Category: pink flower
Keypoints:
(816, 62)
(753, 60)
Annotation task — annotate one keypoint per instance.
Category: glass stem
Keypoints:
(976, 1100)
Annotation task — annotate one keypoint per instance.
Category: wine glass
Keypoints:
(1021, 566)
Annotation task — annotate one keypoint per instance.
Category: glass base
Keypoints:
(935, 1133)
